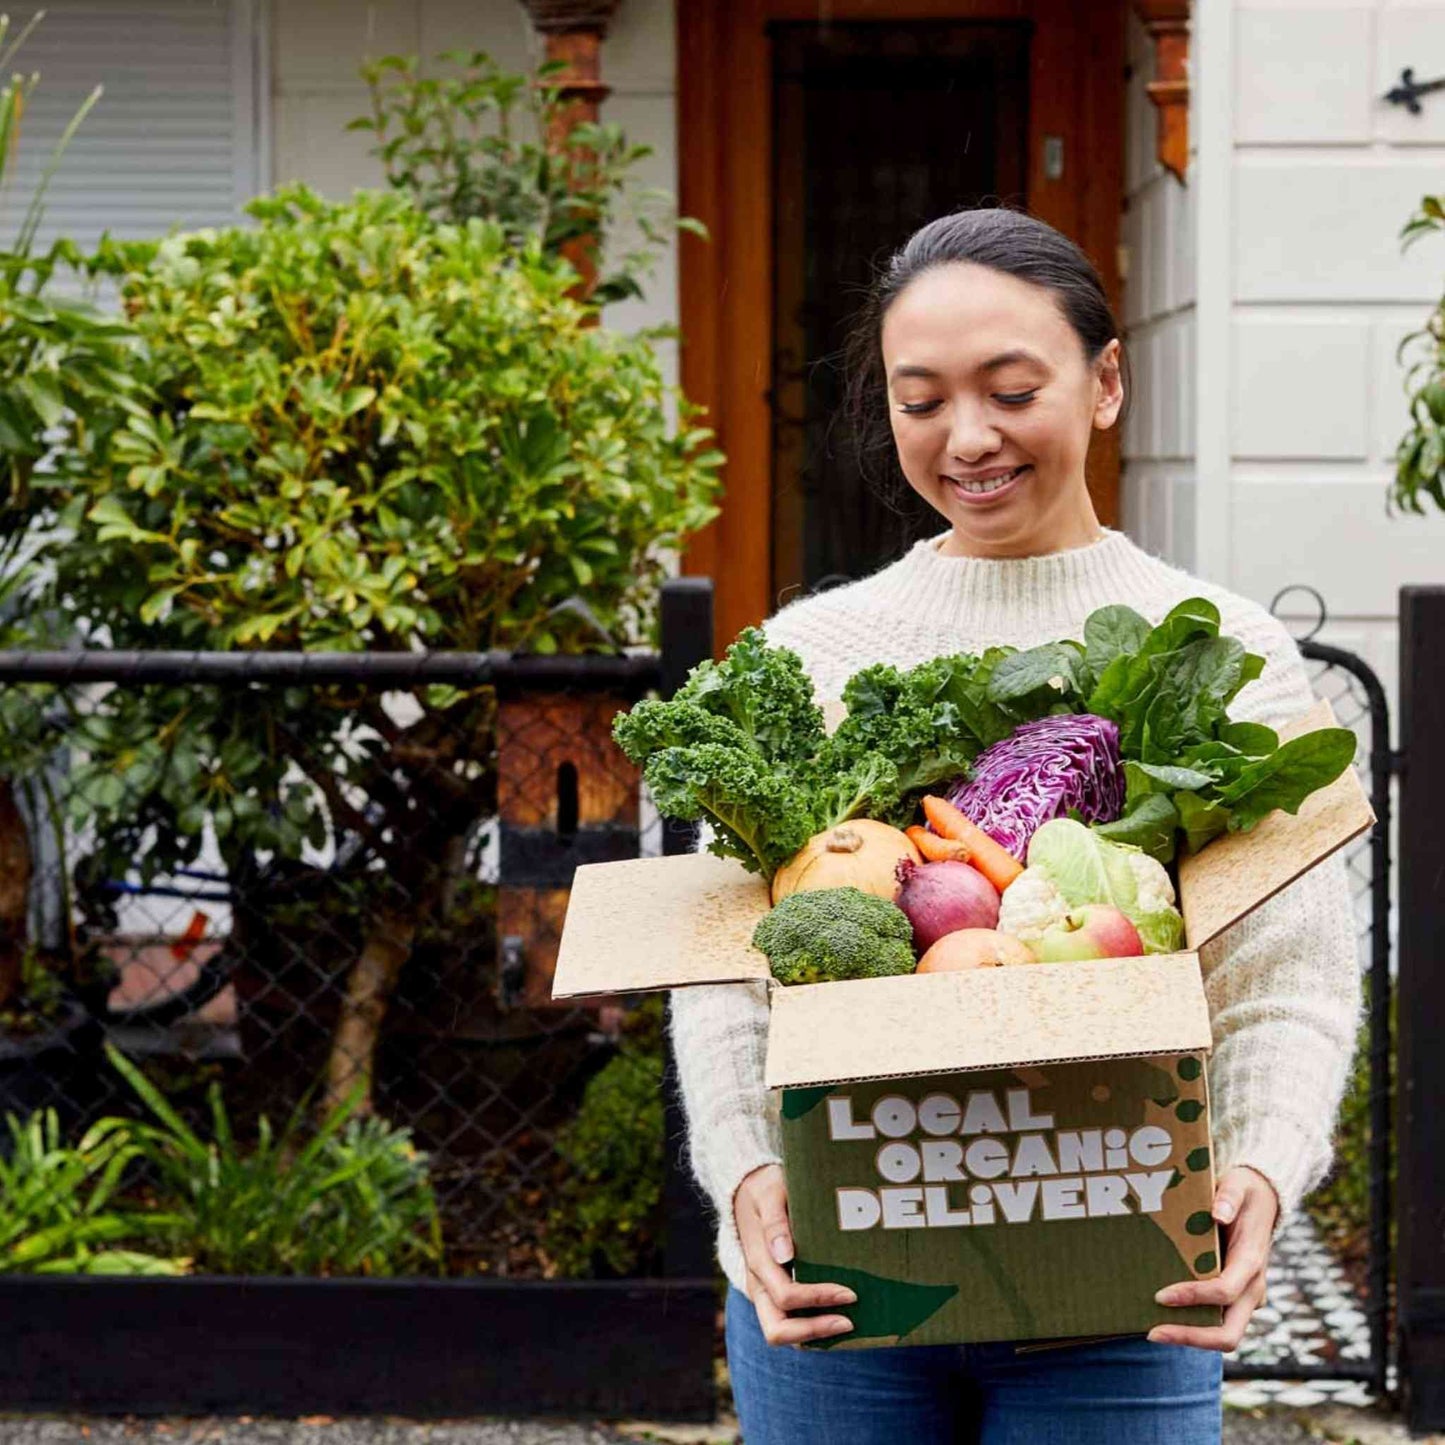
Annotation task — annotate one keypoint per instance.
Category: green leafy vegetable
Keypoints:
(1168, 688)
(742, 745)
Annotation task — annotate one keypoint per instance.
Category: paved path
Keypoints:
(1241, 1427)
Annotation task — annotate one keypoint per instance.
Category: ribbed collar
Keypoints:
(987, 596)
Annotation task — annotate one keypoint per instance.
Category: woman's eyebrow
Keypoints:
(1007, 358)
(905, 370)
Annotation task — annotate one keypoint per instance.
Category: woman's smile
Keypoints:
(984, 488)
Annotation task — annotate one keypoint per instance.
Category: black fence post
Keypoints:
(686, 641)
(1421, 1216)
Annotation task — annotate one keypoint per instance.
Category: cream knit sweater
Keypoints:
(1283, 984)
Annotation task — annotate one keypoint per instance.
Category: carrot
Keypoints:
(936, 849)
(991, 859)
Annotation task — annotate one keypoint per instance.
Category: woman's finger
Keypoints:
(779, 1329)
(785, 1293)
(772, 1207)
(1244, 1263)
(1224, 1336)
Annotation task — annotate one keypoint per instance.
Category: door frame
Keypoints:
(725, 129)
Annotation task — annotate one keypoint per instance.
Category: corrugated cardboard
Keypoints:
(649, 923)
(929, 1023)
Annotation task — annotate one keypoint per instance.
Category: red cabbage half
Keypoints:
(1051, 768)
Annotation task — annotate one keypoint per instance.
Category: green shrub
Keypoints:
(1341, 1205)
(469, 141)
(606, 1218)
(365, 431)
(58, 1203)
(351, 1197)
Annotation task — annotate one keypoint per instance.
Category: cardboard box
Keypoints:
(1015, 1153)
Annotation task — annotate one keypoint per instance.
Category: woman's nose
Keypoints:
(970, 435)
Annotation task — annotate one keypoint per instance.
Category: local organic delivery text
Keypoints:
(989, 1158)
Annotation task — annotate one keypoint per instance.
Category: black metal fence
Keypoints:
(1325, 1347)
(325, 881)
(323, 878)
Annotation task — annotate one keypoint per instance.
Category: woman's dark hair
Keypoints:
(1009, 241)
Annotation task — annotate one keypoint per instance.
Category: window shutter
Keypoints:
(173, 139)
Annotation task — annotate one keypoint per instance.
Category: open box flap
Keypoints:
(653, 923)
(1237, 872)
(937, 1023)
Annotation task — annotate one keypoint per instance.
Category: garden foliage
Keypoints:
(606, 1217)
(1420, 457)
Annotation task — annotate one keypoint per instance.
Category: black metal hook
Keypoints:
(1323, 610)
(1409, 90)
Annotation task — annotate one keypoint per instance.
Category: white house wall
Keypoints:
(1159, 304)
(1323, 174)
(319, 46)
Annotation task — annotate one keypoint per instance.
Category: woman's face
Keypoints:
(992, 404)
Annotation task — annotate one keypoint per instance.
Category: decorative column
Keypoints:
(1167, 22)
(574, 31)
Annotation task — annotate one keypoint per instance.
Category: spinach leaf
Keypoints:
(1287, 776)
(1201, 819)
(1253, 739)
(1149, 825)
(1048, 674)
(1157, 777)
(1111, 633)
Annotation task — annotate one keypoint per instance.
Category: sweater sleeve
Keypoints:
(720, 1041)
(1283, 987)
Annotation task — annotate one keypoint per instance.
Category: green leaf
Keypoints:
(1111, 633)
(1201, 819)
(1288, 776)
(1148, 825)
(1053, 669)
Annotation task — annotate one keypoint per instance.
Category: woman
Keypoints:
(991, 343)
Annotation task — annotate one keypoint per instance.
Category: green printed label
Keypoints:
(1004, 1204)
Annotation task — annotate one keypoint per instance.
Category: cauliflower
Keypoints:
(833, 934)
(1071, 866)
(1030, 904)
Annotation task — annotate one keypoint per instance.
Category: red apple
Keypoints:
(1094, 931)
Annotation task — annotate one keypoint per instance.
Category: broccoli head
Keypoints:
(833, 934)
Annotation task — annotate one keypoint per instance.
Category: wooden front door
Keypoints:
(811, 148)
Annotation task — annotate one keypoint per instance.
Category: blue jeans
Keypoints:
(1121, 1392)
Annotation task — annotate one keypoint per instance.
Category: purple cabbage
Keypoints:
(1053, 767)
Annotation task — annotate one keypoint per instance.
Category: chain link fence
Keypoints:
(332, 883)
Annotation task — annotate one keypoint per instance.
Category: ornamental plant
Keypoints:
(1420, 457)
(364, 431)
(59, 357)
(475, 140)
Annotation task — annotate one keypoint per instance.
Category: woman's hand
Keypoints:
(1246, 1207)
(760, 1207)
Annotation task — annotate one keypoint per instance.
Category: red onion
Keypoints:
(941, 898)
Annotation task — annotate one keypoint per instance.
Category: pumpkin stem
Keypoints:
(844, 840)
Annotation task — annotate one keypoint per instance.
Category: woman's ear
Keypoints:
(1109, 397)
